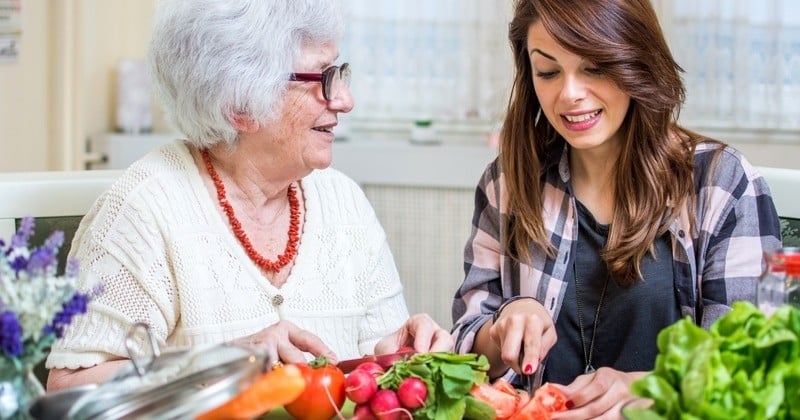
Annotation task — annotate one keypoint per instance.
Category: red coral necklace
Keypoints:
(294, 223)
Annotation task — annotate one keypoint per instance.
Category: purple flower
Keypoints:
(20, 239)
(40, 259)
(10, 334)
(72, 268)
(76, 305)
(54, 241)
(19, 263)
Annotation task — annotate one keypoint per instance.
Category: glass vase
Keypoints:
(18, 390)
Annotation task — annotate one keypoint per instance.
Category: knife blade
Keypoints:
(527, 380)
(384, 360)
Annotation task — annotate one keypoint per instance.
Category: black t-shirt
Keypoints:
(630, 317)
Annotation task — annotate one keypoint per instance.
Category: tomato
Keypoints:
(273, 389)
(504, 399)
(546, 400)
(531, 412)
(324, 394)
(550, 397)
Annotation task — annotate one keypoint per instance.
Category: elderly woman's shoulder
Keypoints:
(159, 166)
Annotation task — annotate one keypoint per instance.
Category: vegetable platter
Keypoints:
(421, 386)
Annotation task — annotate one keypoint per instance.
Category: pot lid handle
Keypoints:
(142, 361)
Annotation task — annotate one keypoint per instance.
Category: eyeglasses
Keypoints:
(332, 79)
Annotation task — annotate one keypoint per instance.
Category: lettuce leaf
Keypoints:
(746, 366)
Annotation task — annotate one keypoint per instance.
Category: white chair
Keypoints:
(785, 187)
(49, 194)
(56, 200)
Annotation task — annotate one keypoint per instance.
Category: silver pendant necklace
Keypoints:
(587, 355)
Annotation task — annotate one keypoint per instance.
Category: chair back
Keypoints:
(785, 187)
(56, 200)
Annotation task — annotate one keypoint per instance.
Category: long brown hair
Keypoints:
(624, 39)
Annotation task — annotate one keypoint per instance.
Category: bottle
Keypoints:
(780, 283)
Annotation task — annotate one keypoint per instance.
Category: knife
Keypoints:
(384, 360)
(527, 380)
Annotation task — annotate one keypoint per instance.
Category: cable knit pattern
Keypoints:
(166, 256)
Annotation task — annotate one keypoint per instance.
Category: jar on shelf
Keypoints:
(780, 283)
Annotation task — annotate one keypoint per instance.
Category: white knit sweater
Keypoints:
(165, 255)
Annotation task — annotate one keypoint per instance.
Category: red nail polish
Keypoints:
(570, 404)
(528, 369)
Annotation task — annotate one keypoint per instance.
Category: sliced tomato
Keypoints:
(504, 401)
(505, 386)
(546, 400)
(550, 397)
(523, 400)
(531, 411)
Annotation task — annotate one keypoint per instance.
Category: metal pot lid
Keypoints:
(176, 384)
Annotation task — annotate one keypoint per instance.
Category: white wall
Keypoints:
(62, 87)
(25, 121)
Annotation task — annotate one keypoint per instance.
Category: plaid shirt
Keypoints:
(718, 264)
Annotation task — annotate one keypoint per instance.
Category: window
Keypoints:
(742, 62)
(440, 60)
(449, 61)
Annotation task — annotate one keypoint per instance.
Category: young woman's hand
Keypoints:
(420, 332)
(524, 327)
(598, 395)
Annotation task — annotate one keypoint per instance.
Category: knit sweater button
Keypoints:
(277, 300)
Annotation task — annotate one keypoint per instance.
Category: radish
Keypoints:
(386, 406)
(372, 367)
(412, 392)
(363, 412)
(360, 386)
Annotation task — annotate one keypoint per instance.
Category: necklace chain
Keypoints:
(294, 223)
(587, 356)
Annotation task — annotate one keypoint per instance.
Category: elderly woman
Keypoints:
(241, 233)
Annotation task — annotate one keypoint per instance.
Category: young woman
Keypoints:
(603, 220)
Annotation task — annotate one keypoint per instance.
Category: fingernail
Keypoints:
(570, 404)
(528, 369)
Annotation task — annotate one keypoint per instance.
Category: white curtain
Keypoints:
(742, 62)
(448, 61)
(440, 60)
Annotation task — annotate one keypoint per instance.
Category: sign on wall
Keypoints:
(10, 29)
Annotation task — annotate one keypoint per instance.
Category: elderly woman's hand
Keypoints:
(285, 342)
(420, 332)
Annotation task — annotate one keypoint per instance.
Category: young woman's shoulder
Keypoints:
(721, 166)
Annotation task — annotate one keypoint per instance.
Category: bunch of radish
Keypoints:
(361, 387)
(424, 386)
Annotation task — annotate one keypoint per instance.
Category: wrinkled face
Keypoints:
(302, 135)
(583, 105)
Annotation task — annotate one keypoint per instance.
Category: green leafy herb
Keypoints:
(448, 376)
(746, 366)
